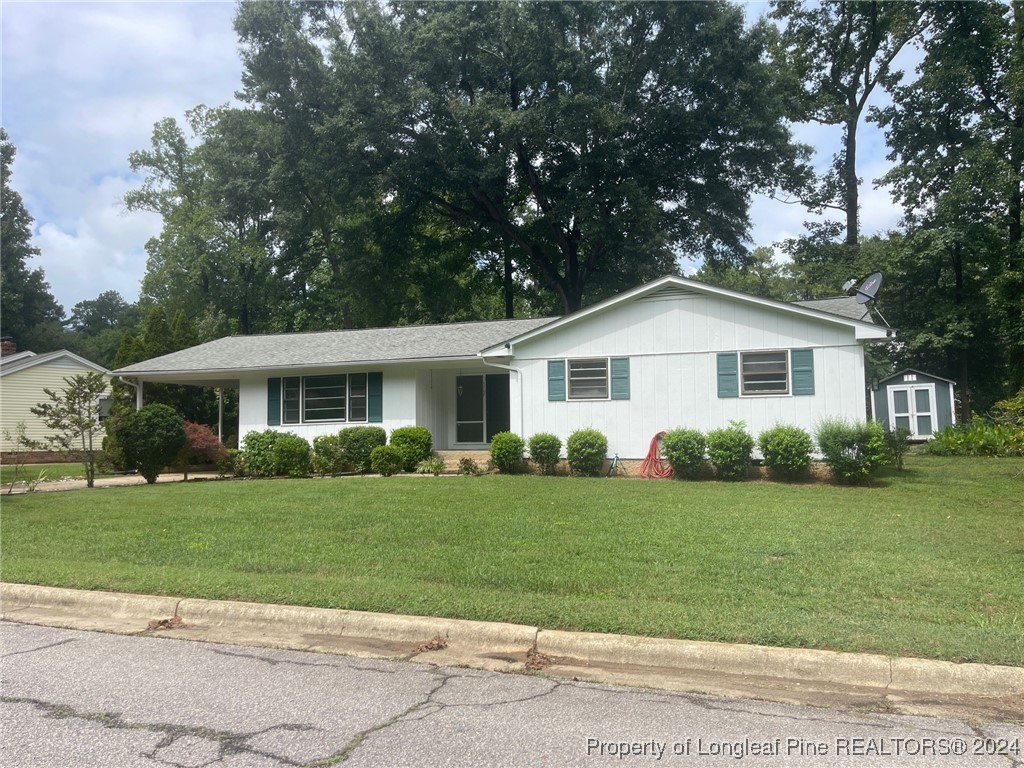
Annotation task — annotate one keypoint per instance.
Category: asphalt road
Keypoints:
(71, 698)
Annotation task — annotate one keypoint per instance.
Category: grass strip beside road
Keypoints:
(928, 562)
(11, 473)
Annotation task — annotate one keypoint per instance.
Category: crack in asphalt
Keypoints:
(979, 731)
(228, 742)
(40, 648)
(274, 662)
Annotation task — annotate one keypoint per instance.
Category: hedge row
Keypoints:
(354, 449)
(852, 451)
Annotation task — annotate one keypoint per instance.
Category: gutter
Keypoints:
(519, 378)
(137, 386)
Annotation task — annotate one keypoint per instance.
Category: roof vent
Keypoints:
(670, 293)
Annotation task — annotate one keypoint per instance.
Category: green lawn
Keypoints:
(927, 562)
(10, 473)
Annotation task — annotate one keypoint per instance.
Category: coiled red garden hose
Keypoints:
(654, 465)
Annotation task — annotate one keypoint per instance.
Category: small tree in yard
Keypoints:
(151, 439)
(201, 447)
(72, 416)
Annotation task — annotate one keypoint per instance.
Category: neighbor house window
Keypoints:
(764, 373)
(588, 379)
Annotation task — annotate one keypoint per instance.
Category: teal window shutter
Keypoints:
(375, 396)
(801, 361)
(556, 380)
(273, 402)
(620, 378)
(728, 374)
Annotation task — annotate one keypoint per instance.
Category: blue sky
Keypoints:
(84, 82)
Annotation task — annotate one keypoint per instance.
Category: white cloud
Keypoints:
(82, 85)
(101, 250)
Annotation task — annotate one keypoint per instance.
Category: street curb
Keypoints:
(318, 626)
(480, 635)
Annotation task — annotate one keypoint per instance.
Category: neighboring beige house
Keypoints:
(23, 377)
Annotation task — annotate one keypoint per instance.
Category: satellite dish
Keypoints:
(849, 284)
(869, 288)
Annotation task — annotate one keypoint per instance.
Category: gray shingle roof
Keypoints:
(844, 306)
(327, 348)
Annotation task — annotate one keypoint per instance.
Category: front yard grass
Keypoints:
(11, 473)
(928, 562)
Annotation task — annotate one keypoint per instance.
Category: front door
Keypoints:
(482, 407)
(913, 408)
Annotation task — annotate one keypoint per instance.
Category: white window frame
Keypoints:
(788, 373)
(348, 400)
(607, 378)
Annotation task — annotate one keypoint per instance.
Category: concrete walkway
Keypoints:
(790, 675)
(102, 481)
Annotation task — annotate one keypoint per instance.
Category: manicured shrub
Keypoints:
(328, 458)
(897, 443)
(292, 456)
(684, 449)
(231, 464)
(586, 450)
(853, 451)
(507, 452)
(544, 451)
(729, 449)
(151, 439)
(414, 443)
(357, 442)
(386, 460)
(468, 466)
(432, 466)
(786, 450)
(258, 453)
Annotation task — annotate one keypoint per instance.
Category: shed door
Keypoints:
(913, 408)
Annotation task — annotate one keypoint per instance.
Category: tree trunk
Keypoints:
(851, 191)
(507, 285)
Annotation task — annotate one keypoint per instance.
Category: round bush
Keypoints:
(586, 450)
(386, 460)
(684, 450)
(292, 456)
(729, 450)
(853, 451)
(357, 442)
(328, 458)
(544, 451)
(786, 450)
(258, 453)
(507, 452)
(414, 443)
(151, 439)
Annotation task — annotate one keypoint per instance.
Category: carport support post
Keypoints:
(138, 396)
(220, 415)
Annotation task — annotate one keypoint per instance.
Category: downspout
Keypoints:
(138, 390)
(519, 377)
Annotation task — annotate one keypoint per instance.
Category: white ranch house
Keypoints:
(674, 352)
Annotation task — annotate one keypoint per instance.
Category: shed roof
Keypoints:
(918, 372)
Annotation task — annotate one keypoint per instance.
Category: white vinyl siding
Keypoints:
(673, 347)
